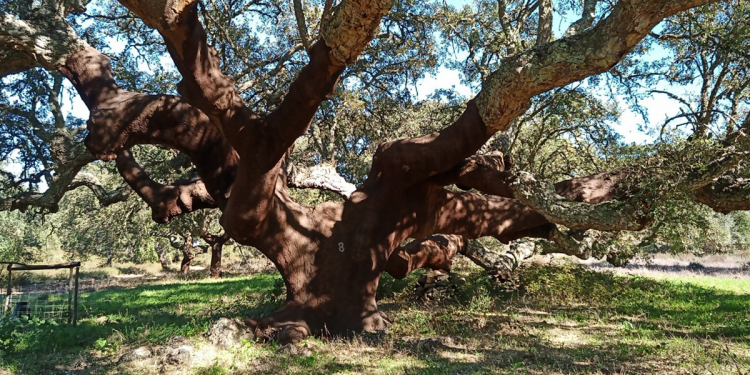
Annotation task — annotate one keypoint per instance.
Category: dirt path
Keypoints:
(735, 266)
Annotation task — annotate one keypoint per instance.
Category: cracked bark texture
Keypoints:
(331, 256)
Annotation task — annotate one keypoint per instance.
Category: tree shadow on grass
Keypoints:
(633, 320)
(627, 324)
(146, 314)
(541, 358)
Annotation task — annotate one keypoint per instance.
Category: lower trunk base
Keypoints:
(292, 324)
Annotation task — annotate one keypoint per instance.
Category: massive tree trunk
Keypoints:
(331, 256)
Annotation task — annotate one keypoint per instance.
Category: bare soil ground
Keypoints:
(684, 265)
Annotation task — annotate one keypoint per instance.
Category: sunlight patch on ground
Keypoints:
(568, 338)
(129, 276)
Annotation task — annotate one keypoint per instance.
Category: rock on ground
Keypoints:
(226, 332)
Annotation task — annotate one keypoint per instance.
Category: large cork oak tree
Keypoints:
(332, 256)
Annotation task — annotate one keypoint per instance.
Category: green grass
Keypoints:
(728, 284)
(565, 319)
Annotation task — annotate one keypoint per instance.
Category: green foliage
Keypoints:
(21, 238)
(146, 314)
(18, 334)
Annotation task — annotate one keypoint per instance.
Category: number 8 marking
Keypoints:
(341, 247)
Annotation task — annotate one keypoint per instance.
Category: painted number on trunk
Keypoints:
(341, 247)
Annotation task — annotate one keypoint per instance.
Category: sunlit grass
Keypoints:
(729, 284)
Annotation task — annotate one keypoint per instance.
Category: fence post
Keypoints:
(75, 307)
(10, 289)
(70, 295)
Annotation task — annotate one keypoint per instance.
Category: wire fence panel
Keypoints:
(56, 301)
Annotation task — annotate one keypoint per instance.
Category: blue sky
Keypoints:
(659, 107)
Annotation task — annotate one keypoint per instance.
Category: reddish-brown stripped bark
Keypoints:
(435, 252)
(120, 119)
(166, 201)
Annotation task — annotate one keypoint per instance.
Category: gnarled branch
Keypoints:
(57, 185)
(321, 176)
(586, 20)
(46, 40)
(166, 201)
(104, 196)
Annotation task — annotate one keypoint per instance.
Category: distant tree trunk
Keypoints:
(187, 254)
(217, 245)
(216, 260)
(161, 252)
(108, 262)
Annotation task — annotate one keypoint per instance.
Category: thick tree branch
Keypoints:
(437, 252)
(399, 164)
(352, 25)
(120, 119)
(204, 85)
(727, 194)
(434, 252)
(299, 15)
(491, 174)
(264, 141)
(544, 29)
(321, 176)
(104, 196)
(349, 29)
(160, 14)
(586, 20)
(488, 173)
(506, 93)
(629, 214)
(166, 201)
(473, 215)
(506, 261)
(46, 40)
(12, 62)
(313, 85)
(599, 211)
